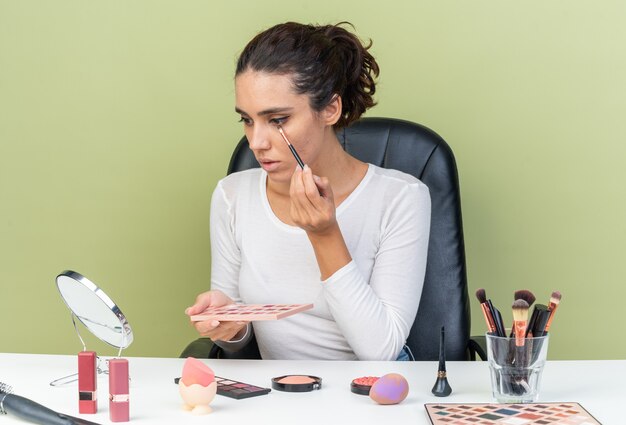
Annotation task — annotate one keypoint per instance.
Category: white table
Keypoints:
(597, 385)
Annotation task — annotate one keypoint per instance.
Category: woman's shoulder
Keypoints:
(242, 183)
(391, 179)
(241, 179)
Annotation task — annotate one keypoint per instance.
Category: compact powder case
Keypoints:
(362, 386)
(297, 383)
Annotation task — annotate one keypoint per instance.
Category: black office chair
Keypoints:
(416, 150)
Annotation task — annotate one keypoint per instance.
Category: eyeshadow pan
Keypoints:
(490, 416)
(506, 411)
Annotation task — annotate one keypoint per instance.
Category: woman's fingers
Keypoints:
(208, 299)
(223, 331)
(312, 203)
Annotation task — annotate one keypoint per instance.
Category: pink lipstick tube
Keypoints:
(87, 383)
(119, 405)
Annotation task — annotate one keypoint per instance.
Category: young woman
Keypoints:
(347, 236)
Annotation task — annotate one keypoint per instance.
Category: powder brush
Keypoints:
(526, 295)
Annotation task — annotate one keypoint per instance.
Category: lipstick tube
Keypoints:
(87, 382)
(119, 404)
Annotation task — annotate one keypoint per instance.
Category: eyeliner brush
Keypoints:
(291, 148)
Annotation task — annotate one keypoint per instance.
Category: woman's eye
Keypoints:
(246, 121)
(278, 121)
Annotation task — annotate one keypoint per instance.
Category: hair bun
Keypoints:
(324, 60)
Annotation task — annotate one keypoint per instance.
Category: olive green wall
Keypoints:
(116, 121)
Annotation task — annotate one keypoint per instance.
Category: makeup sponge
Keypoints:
(197, 386)
(390, 389)
(196, 372)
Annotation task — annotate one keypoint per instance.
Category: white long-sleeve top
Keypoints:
(363, 311)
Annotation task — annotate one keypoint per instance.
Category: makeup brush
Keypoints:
(441, 387)
(555, 299)
(291, 148)
(33, 412)
(538, 320)
(482, 299)
(520, 320)
(543, 315)
(497, 318)
(526, 295)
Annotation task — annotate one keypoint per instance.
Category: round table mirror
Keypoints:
(94, 309)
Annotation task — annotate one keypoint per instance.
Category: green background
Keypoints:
(116, 121)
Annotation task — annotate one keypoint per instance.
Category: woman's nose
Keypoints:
(259, 138)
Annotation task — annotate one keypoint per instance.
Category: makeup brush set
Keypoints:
(517, 356)
(540, 319)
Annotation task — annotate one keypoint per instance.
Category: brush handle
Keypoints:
(36, 413)
(491, 326)
(295, 155)
(530, 330)
(499, 323)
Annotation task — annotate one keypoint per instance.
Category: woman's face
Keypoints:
(266, 101)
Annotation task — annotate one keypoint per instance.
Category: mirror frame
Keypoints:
(127, 333)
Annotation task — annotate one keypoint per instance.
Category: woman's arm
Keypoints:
(225, 264)
(376, 316)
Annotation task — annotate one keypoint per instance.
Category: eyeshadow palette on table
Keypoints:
(509, 414)
(235, 389)
(250, 312)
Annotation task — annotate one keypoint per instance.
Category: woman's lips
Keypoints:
(269, 165)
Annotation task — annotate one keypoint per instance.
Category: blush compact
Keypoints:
(363, 385)
(297, 383)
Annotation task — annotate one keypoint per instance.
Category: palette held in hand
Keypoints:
(250, 312)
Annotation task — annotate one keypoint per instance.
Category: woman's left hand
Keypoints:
(312, 202)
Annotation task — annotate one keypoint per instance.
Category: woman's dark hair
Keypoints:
(324, 60)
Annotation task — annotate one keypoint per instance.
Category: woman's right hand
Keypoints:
(217, 331)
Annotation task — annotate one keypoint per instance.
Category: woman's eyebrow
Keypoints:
(269, 111)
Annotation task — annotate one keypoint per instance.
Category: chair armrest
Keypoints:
(477, 345)
(200, 349)
(203, 348)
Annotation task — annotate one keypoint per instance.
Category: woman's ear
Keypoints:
(332, 112)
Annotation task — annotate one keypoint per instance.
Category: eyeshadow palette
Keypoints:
(250, 312)
(509, 414)
(236, 389)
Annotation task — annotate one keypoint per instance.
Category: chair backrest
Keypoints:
(417, 150)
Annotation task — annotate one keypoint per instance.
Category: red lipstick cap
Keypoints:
(87, 383)
(118, 388)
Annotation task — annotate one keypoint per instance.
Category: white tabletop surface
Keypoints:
(596, 385)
